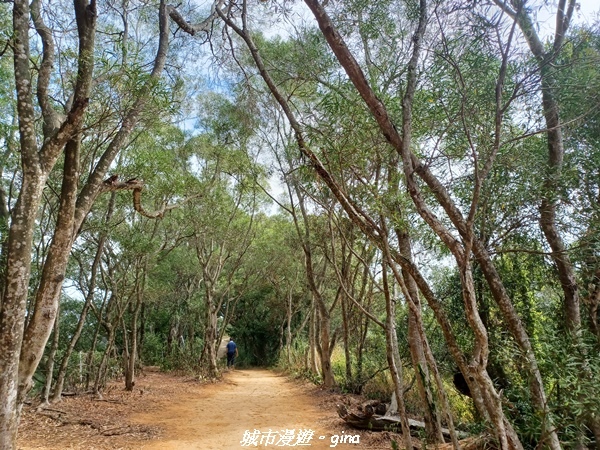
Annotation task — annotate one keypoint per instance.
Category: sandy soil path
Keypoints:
(250, 406)
(246, 409)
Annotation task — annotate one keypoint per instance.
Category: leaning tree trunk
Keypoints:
(433, 426)
(74, 209)
(62, 371)
(45, 308)
(393, 358)
(324, 319)
(412, 167)
(403, 279)
(36, 164)
(17, 362)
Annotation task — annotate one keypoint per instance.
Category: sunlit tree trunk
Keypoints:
(416, 345)
(393, 358)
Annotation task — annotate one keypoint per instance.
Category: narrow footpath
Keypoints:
(250, 409)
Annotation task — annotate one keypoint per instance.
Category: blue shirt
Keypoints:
(231, 347)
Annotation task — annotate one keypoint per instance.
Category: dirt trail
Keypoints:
(246, 409)
(223, 416)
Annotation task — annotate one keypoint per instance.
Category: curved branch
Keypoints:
(205, 25)
(137, 186)
(52, 120)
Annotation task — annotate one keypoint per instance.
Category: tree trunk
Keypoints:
(133, 327)
(18, 363)
(12, 316)
(62, 372)
(312, 338)
(326, 347)
(209, 352)
(50, 362)
(393, 358)
(347, 353)
(101, 374)
(48, 294)
(89, 363)
(324, 321)
(551, 186)
(56, 395)
(433, 426)
(288, 329)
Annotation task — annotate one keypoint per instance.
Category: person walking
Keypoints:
(232, 353)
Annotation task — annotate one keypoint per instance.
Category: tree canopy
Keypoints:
(399, 197)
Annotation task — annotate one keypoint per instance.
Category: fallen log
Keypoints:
(369, 420)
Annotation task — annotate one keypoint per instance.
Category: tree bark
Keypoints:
(413, 166)
(393, 358)
(133, 328)
(551, 186)
(62, 371)
(50, 362)
(416, 345)
(36, 164)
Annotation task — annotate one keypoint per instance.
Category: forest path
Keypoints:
(222, 416)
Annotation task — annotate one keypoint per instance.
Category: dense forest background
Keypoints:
(385, 197)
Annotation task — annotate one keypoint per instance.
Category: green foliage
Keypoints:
(256, 328)
(574, 378)
(218, 226)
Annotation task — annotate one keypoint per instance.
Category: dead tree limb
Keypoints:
(136, 185)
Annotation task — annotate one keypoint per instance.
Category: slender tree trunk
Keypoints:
(347, 353)
(326, 348)
(393, 358)
(89, 361)
(62, 371)
(288, 329)
(60, 378)
(312, 340)
(133, 349)
(133, 327)
(416, 345)
(101, 374)
(324, 320)
(50, 362)
(556, 151)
